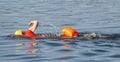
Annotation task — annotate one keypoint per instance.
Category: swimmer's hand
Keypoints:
(33, 25)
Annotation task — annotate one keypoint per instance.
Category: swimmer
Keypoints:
(30, 32)
(67, 32)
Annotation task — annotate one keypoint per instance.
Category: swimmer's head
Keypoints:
(19, 32)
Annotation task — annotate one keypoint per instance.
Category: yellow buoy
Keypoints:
(19, 32)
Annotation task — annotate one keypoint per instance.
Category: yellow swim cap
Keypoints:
(19, 32)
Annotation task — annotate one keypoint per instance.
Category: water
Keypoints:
(101, 16)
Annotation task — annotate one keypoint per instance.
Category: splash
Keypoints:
(48, 29)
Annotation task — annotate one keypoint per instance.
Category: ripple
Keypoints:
(117, 46)
(65, 58)
(100, 50)
(90, 54)
(64, 50)
(53, 44)
(42, 59)
(115, 56)
(105, 45)
(12, 55)
(72, 24)
(29, 57)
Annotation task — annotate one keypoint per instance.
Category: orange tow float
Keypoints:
(70, 32)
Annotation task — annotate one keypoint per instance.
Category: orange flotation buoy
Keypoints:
(70, 32)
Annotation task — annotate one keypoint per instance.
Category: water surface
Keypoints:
(101, 16)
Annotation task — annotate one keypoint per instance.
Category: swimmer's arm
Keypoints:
(33, 25)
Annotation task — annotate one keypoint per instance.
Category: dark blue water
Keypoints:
(101, 16)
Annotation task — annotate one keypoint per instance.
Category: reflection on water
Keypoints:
(30, 45)
(63, 50)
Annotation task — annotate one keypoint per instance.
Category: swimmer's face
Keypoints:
(23, 33)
